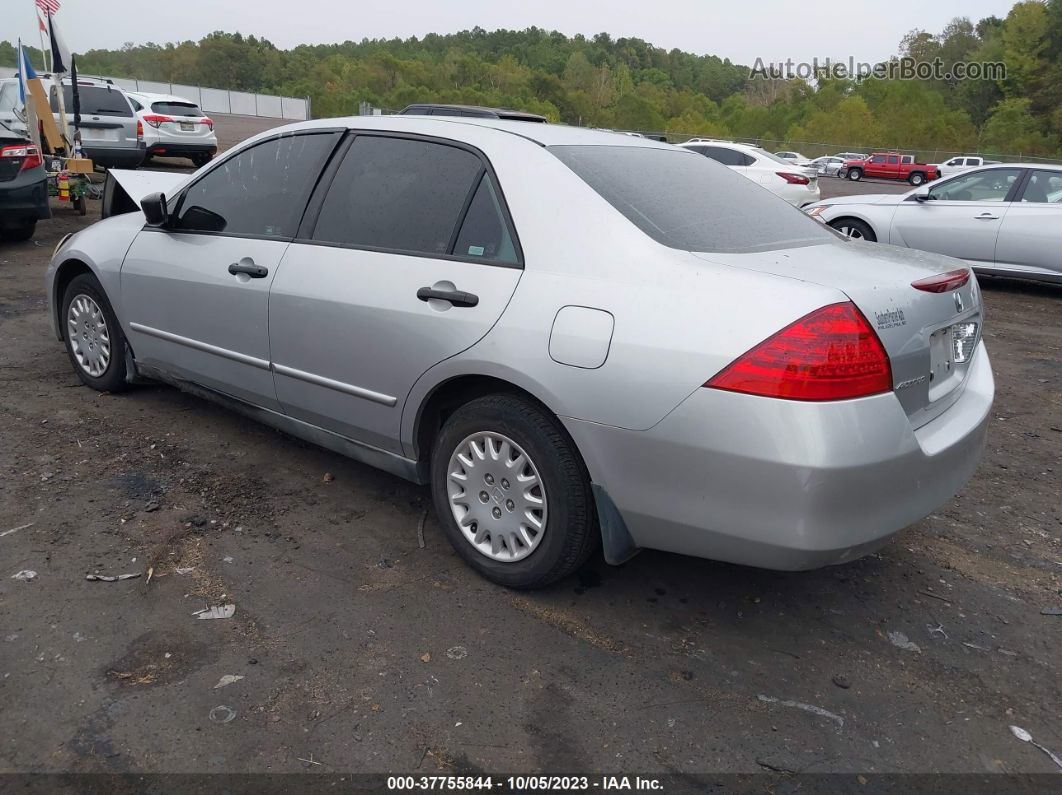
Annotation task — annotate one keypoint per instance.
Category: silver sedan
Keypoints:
(1003, 219)
(576, 338)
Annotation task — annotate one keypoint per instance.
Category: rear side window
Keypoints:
(261, 191)
(484, 234)
(728, 157)
(95, 101)
(690, 203)
(177, 108)
(399, 194)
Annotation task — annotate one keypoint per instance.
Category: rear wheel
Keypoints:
(855, 229)
(201, 160)
(855, 174)
(94, 339)
(18, 234)
(511, 492)
(917, 178)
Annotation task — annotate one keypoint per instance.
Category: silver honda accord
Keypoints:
(577, 338)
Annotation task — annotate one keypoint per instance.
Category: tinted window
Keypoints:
(992, 185)
(398, 194)
(728, 157)
(877, 159)
(176, 108)
(95, 101)
(484, 234)
(260, 191)
(893, 160)
(689, 202)
(1044, 187)
(906, 159)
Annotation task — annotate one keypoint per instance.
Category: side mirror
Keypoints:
(154, 207)
(921, 195)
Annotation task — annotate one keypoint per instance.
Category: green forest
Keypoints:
(629, 84)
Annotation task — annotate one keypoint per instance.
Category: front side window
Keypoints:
(688, 202)
(399, 194)
(955, 161)
(981, 186)
(261, 191)
(877, 159)
(1044, 187)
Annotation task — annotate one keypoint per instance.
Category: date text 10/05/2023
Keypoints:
(523, 783)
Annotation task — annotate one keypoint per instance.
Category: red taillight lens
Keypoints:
(830, 354)
(139, 129)
(943, 282)
(157, 121)
(793, 179)
(208, 122)
(31, 155)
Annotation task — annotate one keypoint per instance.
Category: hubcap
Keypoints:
(497, 497)
(89, 338)
(851, 232)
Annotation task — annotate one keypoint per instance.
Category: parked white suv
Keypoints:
(798, 185)
(175, 127)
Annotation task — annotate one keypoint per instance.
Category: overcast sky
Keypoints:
(742, 31)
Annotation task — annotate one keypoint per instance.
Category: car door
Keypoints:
(196, 293)
(961, 216)
(409, 259)
(1030, 235)
(875, 166)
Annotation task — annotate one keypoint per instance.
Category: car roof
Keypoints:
(543, 134)
(506, 112)
(724, 144)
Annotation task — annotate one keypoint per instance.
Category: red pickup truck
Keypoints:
(889, 165)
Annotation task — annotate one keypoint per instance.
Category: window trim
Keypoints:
(229, 155)
(328, 175)
(1018, 185)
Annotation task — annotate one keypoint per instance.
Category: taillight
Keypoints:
(829, 354)
(139, 129)
(31, 155)
(208, 122)
(793, 179)
(943, 282)
(157, 121)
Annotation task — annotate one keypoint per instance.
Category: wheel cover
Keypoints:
(90, 339)
(496, 496)
(850, 231)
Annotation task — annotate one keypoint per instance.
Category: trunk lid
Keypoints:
(924, 333)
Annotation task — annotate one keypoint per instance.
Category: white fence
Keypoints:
(216, 100)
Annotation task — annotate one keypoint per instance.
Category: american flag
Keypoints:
(48, 6)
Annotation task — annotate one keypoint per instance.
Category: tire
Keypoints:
(18, 234)
(917, 178)
(855, 229)
(81, 205)
(201, 160)
(855, 174)
(92, 308)
(569, 531)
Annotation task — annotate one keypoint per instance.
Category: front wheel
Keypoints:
(855, 174)
(855, 229)
(511, 492)
(94, 339)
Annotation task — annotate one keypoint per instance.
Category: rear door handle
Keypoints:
(455, 297)
(248, 267)
(986, 217)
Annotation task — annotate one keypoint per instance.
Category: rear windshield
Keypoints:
(95, 101)
(687, 201)
(177, 108)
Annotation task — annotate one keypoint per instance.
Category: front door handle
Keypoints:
(986, 217)
(455, 297)
(248, 267)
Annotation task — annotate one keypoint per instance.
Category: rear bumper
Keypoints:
(24, 200)
(181, 149)
(116, 157)
(783, 484)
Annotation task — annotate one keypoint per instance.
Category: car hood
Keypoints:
(866, 198)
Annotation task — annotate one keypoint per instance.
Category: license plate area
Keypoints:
(950, 353)
(187, 126)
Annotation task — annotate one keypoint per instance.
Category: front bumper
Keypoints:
(784, 484)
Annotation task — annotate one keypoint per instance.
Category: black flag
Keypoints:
(75, 94)
(60, 52)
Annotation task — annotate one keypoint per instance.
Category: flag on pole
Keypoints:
(48, 6)
(25, 72)
(60, 52)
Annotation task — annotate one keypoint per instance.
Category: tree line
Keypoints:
(629, 84)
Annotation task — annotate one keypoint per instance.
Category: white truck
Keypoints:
(961, 163)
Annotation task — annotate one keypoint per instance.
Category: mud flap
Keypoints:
(616, 542)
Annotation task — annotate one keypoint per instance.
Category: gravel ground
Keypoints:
(362, 651)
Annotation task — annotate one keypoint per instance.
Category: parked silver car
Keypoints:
(111, 134)
(574, 337)
(1003, 219)
(827, 166)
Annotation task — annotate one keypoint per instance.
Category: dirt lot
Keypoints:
(361, 651)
